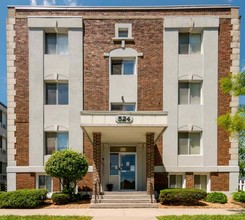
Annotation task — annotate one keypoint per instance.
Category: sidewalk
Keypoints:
(123, 214)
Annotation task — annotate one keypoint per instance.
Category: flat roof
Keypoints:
(116, 8)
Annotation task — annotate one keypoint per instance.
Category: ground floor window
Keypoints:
(175, 181)
(200, 182)
(45, 182)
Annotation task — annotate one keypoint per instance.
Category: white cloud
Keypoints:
(33, 2)
(49, 2)
(70, 2)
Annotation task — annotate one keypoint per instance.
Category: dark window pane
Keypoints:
(114, 163)
(50, 94)
(183, 143)
(183, 43)
(50, 44)
(116, 67)
(195, 93)
(116, 107)
(1, 142)
(63, 94)
(183, 93)
(50, 143)
(195, 43)
(123, 32)
(128, 67)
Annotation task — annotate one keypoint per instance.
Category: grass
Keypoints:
(202, 217)
(44, 217)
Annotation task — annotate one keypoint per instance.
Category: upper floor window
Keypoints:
(189, 43)
(189, 93)
(122, 67)
(123, 30)
(3, 120)
(189, 143)
(200, 182)
(45, 182)
(56, 43)
(122, 107)
(175, 181)
(56, 142)
(3, 144)
(57, 93)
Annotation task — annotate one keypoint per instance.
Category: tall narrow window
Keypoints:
(189, 93)
(57, 93)
(56, 43)
(200, 182)
(189, 43)
(123, 67)
(56, 142)
(189, 143)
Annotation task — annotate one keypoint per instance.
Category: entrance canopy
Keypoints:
(123, 127)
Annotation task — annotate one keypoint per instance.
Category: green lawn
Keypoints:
(203, 217)
(44, 217)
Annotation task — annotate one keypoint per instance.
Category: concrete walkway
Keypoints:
(122, 214)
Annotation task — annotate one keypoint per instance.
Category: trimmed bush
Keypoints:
(26, 198)
(239, 196)
(216, 197)
(181, 196)
(60, 198)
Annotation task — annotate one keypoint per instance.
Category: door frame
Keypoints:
(119, 173)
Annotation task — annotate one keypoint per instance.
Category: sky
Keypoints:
(5, 3)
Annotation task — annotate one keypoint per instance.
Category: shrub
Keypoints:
(216, 197)
(60, 198)
(26, 198)
(181, 196)
(239, 196)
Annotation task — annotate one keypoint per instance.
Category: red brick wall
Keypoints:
(25, 181)
(189, 180)
(224, 100)
(219, 181)
(56, 185)
(22, 93)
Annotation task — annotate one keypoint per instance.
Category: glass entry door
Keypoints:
(127, 171)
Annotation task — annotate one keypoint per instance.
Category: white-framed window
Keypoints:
(123, 30)
(189, 93)
(56, 141)
(45, 182)
(200, 182)
(125, 66)
(57, 94)
(123, 107)
(189, 143)
(56, 43)
(176, 181)
(190, 43)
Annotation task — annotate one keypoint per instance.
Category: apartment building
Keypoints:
(136, 89)
(3, 146)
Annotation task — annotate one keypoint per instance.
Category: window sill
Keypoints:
(122, 38)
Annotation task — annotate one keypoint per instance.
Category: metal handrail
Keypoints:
(151, 191)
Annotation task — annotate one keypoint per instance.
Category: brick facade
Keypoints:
(149, 161)
(189, 180)
(219, 181)
(25, 181)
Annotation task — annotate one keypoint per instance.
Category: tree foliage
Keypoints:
(69, 166)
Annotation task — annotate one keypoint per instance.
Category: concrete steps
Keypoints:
(135, 199)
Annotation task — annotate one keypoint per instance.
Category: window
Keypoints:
(189, 143)
(123, 31)
(3, 120)
(175, 181)
(122, 107)
(200, 182)
(3, 144)
(45, 182)
(57, 93)
(123, 67)
(56, 142)
(56, 43)
(189, 43)
(189, 93)
(3, 168)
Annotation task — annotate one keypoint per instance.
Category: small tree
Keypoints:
(235, 124)
(69, 166)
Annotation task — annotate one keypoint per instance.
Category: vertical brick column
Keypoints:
(189, 180)
(149, 161)
(97, 159)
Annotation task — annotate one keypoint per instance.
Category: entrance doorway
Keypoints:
(123, 171)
